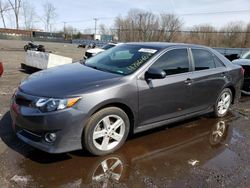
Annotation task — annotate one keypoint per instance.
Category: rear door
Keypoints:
(208, 78)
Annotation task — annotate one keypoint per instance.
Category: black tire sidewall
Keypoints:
(216, 113)
(91, 125)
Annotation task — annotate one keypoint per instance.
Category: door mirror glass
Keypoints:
(154, 73)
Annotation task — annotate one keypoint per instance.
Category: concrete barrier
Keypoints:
(43, 60)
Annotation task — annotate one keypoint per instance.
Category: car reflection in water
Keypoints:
(161, 158)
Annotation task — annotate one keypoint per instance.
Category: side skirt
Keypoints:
(172, 120)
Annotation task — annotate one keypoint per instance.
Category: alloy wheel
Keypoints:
(224, 103)
(109, 132)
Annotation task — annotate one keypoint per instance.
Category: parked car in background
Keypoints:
(244, 61)
(92, 52)
(1, 68)
(132, 87)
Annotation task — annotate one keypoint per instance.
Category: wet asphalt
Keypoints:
(200, 152)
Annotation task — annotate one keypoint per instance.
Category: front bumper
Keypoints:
(31, 126)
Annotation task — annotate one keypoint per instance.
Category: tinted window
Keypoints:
(107, 46)
(203, 59)
(173, 62)
(218, 62)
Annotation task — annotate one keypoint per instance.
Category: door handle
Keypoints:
(224, 74)
(188, 81)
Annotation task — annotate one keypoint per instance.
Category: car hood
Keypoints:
(242, 62)
(66, 80)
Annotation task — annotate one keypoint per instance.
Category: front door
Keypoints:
(162, 99)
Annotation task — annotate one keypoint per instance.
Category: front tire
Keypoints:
(223, 103)
(26, 48)
(106, 131)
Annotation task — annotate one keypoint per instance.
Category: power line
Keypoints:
(218, 12)
(177, 31)
(181, 14)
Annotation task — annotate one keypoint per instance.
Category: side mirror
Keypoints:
(154, 73)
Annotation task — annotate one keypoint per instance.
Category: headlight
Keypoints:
(50, 105)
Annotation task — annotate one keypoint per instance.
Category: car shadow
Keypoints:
(8, 136)
(29, 70)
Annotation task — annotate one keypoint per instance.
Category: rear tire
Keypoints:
(106, 131)
(223, 103)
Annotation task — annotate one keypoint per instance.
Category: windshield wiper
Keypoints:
(102, 69)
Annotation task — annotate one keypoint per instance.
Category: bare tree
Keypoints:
(49, 15)
(170, 24)
(29, 14)
(203, 34)
(139, 25)
(4, 7)
(103, 30)
(69, 32)
(15, 5)
(247, 37)
(233, 35)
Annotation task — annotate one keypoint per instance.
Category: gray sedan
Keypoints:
(127, 89)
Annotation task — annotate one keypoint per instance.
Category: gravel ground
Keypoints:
(186, 154)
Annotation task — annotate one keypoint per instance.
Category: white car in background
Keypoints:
(92, 52)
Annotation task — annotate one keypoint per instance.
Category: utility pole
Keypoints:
(140, 27)
(64, 26)
(64, 29)
(96, 19)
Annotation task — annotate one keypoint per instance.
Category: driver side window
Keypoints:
(173, 62)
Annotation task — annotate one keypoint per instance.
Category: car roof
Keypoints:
(163, 45)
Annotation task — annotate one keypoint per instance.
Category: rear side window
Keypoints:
(173, 62)
(203, 59)
(218, 62)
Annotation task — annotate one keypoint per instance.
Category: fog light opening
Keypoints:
(50, 137)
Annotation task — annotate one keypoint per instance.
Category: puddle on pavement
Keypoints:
(169, 156)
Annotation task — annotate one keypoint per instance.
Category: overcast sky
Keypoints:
(80, 14)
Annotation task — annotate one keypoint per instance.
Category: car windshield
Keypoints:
(123, 59)
(107, 46)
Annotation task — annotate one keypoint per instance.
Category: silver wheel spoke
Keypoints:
(99, 134)
(116, 136)
(116, 164)
(117, 124)
(99, 177)
(223, 96)
(218, 133)
(220, 103)
(104, 166)
(227, 99)
(106, 122)
(105, 143)
(115, 176)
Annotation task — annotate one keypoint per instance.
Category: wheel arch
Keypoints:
(233, 90)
